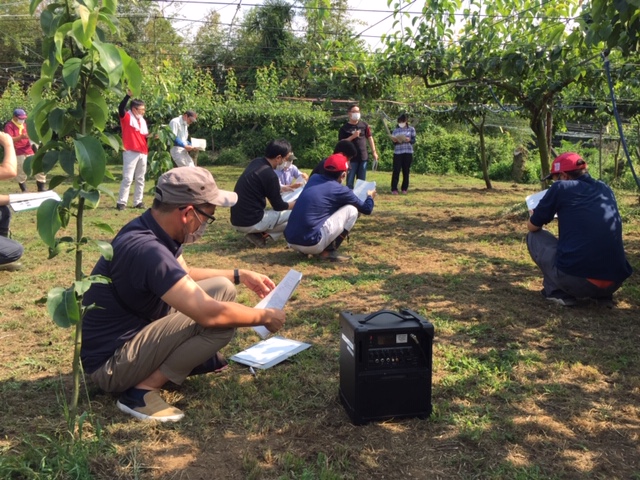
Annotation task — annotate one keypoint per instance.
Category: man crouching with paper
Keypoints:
(159, 320)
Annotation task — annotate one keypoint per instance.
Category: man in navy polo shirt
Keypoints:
(158, 319)
(326, 211)
(587, 260)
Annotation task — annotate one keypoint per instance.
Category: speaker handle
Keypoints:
(381, 312)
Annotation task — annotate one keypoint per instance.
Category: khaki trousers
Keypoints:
(175, 344)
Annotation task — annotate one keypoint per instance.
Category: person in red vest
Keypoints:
(134, 158)
(17, 128)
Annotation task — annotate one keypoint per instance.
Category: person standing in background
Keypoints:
(181, 145)
(404, 136)
(17, 129)
(134, 158)
(359, 133)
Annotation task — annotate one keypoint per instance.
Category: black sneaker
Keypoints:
(258, 239)
(560, 298)
(120, 206)
(334, 256)
(148, 406)
(215, 364)
(606, 301)
(139, 205)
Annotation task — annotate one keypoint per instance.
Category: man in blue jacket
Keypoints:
(325, 212)
(587, 260)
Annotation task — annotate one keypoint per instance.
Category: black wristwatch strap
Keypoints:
(236, 276)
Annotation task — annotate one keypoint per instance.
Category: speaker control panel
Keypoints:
(392, 357)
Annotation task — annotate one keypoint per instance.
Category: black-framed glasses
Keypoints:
(210, 218)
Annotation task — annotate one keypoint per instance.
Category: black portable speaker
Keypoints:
(385, 365)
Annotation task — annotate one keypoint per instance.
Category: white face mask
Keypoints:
(195, 236)
(355, 117)
(20, 121)
(402, 125)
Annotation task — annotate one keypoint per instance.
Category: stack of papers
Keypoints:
(269, 352)
(20, 202)
(276, 349)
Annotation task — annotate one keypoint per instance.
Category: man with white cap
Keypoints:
(17, 128)
(158, 319)
(587, 260)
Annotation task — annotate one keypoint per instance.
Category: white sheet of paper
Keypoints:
(533, 199)
(278, 297)
(291, 196)
(269, 352)
(199, 143)
(20, 202)
(361, 188)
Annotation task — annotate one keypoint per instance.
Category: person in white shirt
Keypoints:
(181, 145)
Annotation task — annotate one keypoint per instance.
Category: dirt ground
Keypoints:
(521, 388)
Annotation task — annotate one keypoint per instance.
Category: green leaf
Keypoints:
(50, 160)
(35, 92)
(82, 286)
(110, 61)
(68, 162)
(71, 72)
(91, 160)
(48, 221)
(105, 249)
(132, 72)
(98, 115)
(56, 180)
(111, 140)
(105, 227)
(62, 305)
(109, 6)
(34, 5)
(59, 37)
(79, 34)
(56, 119)
(92, 198)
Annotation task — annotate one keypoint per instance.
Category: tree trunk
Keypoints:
(538, 128)
(520, 156)
(483, 156)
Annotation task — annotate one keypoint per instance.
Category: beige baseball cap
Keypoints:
(192, 186)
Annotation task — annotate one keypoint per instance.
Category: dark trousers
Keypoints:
(543, 246)
(401, 161)
(10, 250)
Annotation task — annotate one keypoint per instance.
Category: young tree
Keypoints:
(69, 118)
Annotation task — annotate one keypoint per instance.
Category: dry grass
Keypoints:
(521, 389)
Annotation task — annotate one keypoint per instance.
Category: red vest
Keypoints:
(132, 139)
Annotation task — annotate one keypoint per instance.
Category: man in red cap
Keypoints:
(587, 260)
(17, 128)
(325, 212)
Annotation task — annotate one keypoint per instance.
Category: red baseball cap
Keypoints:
(567, 162)
(336, 163)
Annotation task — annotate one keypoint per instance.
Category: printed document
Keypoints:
(20, 202)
